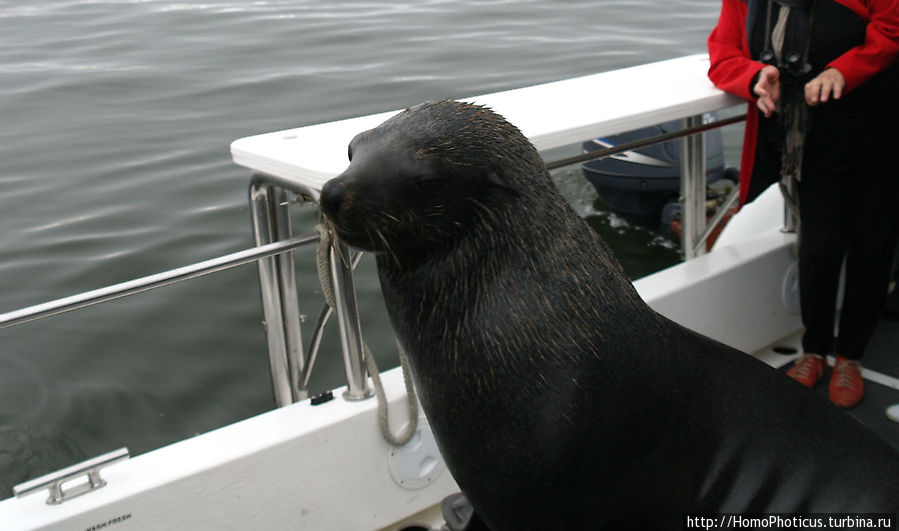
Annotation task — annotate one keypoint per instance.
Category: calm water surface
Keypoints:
(115, 122)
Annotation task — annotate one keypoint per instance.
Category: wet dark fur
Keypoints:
(559, 399)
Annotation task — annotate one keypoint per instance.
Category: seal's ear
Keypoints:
(497, 182)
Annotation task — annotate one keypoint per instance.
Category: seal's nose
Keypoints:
(332, 197)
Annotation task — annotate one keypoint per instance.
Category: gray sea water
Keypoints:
(115, 122)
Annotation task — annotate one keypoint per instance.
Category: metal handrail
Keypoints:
(315, 342)
(139, 285)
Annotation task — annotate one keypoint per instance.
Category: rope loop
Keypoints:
(323, 264)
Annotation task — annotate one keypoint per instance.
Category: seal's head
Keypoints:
(414, 181)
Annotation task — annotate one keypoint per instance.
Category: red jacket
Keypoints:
(732, 69)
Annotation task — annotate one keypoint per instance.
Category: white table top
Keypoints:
(551, 115)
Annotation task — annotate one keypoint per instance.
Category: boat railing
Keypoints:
(280, 179)
(123, 289)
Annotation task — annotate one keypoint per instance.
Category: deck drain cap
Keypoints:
(417, 463)
(790, 289)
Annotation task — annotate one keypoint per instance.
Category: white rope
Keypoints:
(323, 264)
(411, 402)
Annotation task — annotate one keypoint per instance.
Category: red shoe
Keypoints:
(808, 370)
(846, 385)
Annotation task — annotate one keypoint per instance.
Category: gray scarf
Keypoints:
(792, 112)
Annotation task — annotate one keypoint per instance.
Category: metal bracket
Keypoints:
(55, 480)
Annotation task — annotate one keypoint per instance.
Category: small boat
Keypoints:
(645, 181)
(320, 463)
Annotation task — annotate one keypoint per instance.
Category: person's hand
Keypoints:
(768, 89)
(829, 83)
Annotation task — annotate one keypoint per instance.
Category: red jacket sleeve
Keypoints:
(881, 46)
(731, 68)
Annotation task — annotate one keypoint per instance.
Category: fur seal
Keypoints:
(558, 398)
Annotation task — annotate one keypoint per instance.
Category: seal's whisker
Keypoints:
(383, 239)
(387, 248)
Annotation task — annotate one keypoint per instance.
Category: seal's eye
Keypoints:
(428, 187)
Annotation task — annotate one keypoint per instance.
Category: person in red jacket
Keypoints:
(823, 87)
